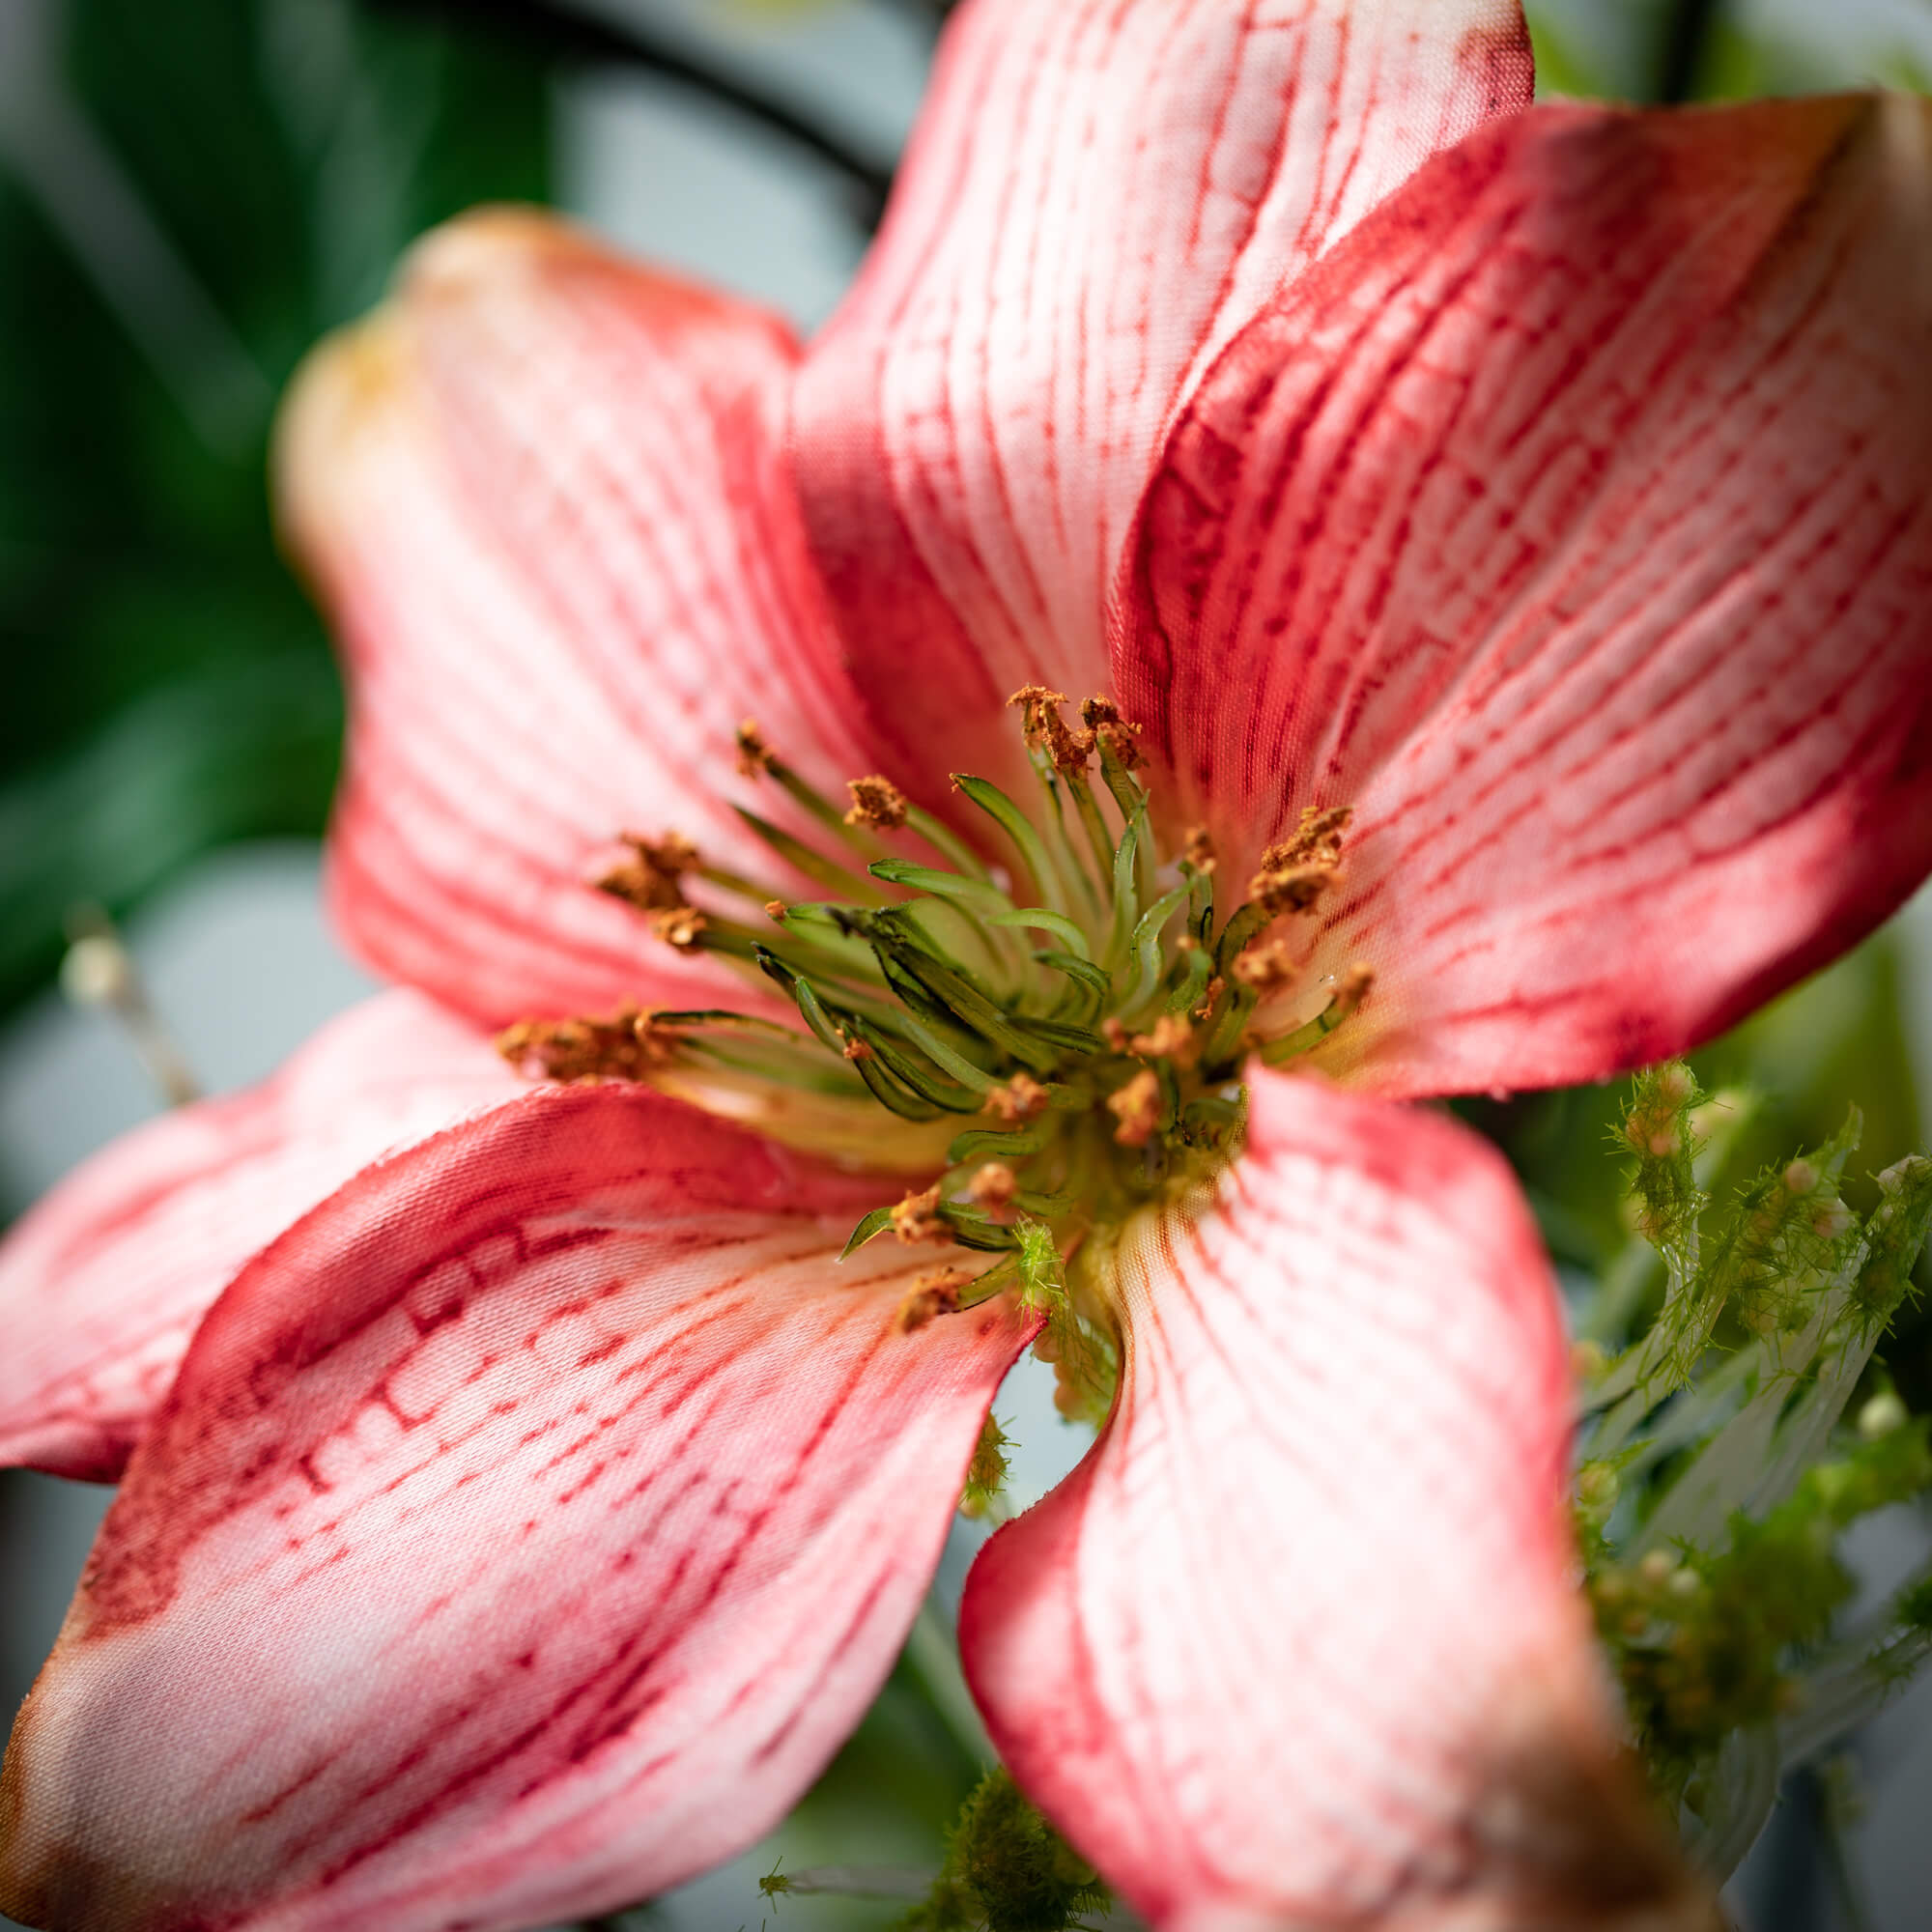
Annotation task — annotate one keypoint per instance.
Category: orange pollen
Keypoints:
(1137, 1108)
(1267, 969)
(649, 879)
(1172, 1039)
(878, 802)
(1292, 887)
(930, 1295)
(681, 928)
(1068, 750)
(1102, 716)
(1022, 1098)
(914, 1220)
(857, 1049)
(1197, 847)
(754, 756)
(994, 1186)
(628, 1045)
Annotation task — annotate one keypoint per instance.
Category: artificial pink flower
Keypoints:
(1510, 533)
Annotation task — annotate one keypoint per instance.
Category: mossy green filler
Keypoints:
(1097, 1019)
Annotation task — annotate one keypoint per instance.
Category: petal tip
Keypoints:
(342, 389)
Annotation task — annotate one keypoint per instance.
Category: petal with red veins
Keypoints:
(1572, 522)
(1299, 1642)
(525, 1531)
(1097, 197)
(103, 1282)
(538, 492)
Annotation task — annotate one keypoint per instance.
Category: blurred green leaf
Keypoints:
(282, 153)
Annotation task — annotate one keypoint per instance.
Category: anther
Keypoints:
(1265, 970)
(1136, 1106)
(878, 802)
(1021, 1099)
(857, 1049)
(1172, 1039)
(681, 927)
(1350, 993)
(627, 1046)
(914, 1219)
(1102, 716)
(1197, 847)
(775, 909)
(1291, 888)
(994, 1186)
(930, 1295)
(754, 756)
(1068, 750)
(650, 880)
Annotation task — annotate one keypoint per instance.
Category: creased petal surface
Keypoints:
(538, 494)
(102, 1284)
(1572, 522)
(1299, 1643)
(1097, 197)
(525, 1529)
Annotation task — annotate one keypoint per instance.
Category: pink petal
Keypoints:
(1298, 1642)
(103, 1283)
(1574, 522)
(538, 494)
(1098, 196)
(525, 1529)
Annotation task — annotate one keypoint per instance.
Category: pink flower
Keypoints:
(531, 1520)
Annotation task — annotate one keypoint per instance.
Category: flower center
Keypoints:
(1066, 986)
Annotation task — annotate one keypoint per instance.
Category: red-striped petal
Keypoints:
(538, 494)
(102, 1284)
(1299, 1642)
(1098, 196)
(525, 1529)
(1574, 522)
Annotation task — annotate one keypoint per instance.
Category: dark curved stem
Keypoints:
(570, 38)
(1687, 36)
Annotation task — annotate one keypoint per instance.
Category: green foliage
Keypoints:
(1007, 1871)
(1719, 1476)
(173, 687)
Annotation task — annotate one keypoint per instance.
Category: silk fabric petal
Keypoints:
(538, 495)
(1299, 1643)
(1098, 195)
(1574, 523)
(524, 1531)
(103, 1282)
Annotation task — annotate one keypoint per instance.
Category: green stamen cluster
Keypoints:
(1081, 1004)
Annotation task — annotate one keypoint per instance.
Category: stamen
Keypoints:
(1266, 969)
(1137, 1107)
(1279, 889)
(1022, 1098)
(915, 1219)
(651, 879)
(994, 1186)
(878, 802)
(754, 756)
(1172, 1039)
(932, 1295)
(1112, 732)
(1068, 750)
(1197, 847)
(682, 928)
(629, 1046)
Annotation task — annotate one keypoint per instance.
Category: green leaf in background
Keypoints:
(189, 196)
